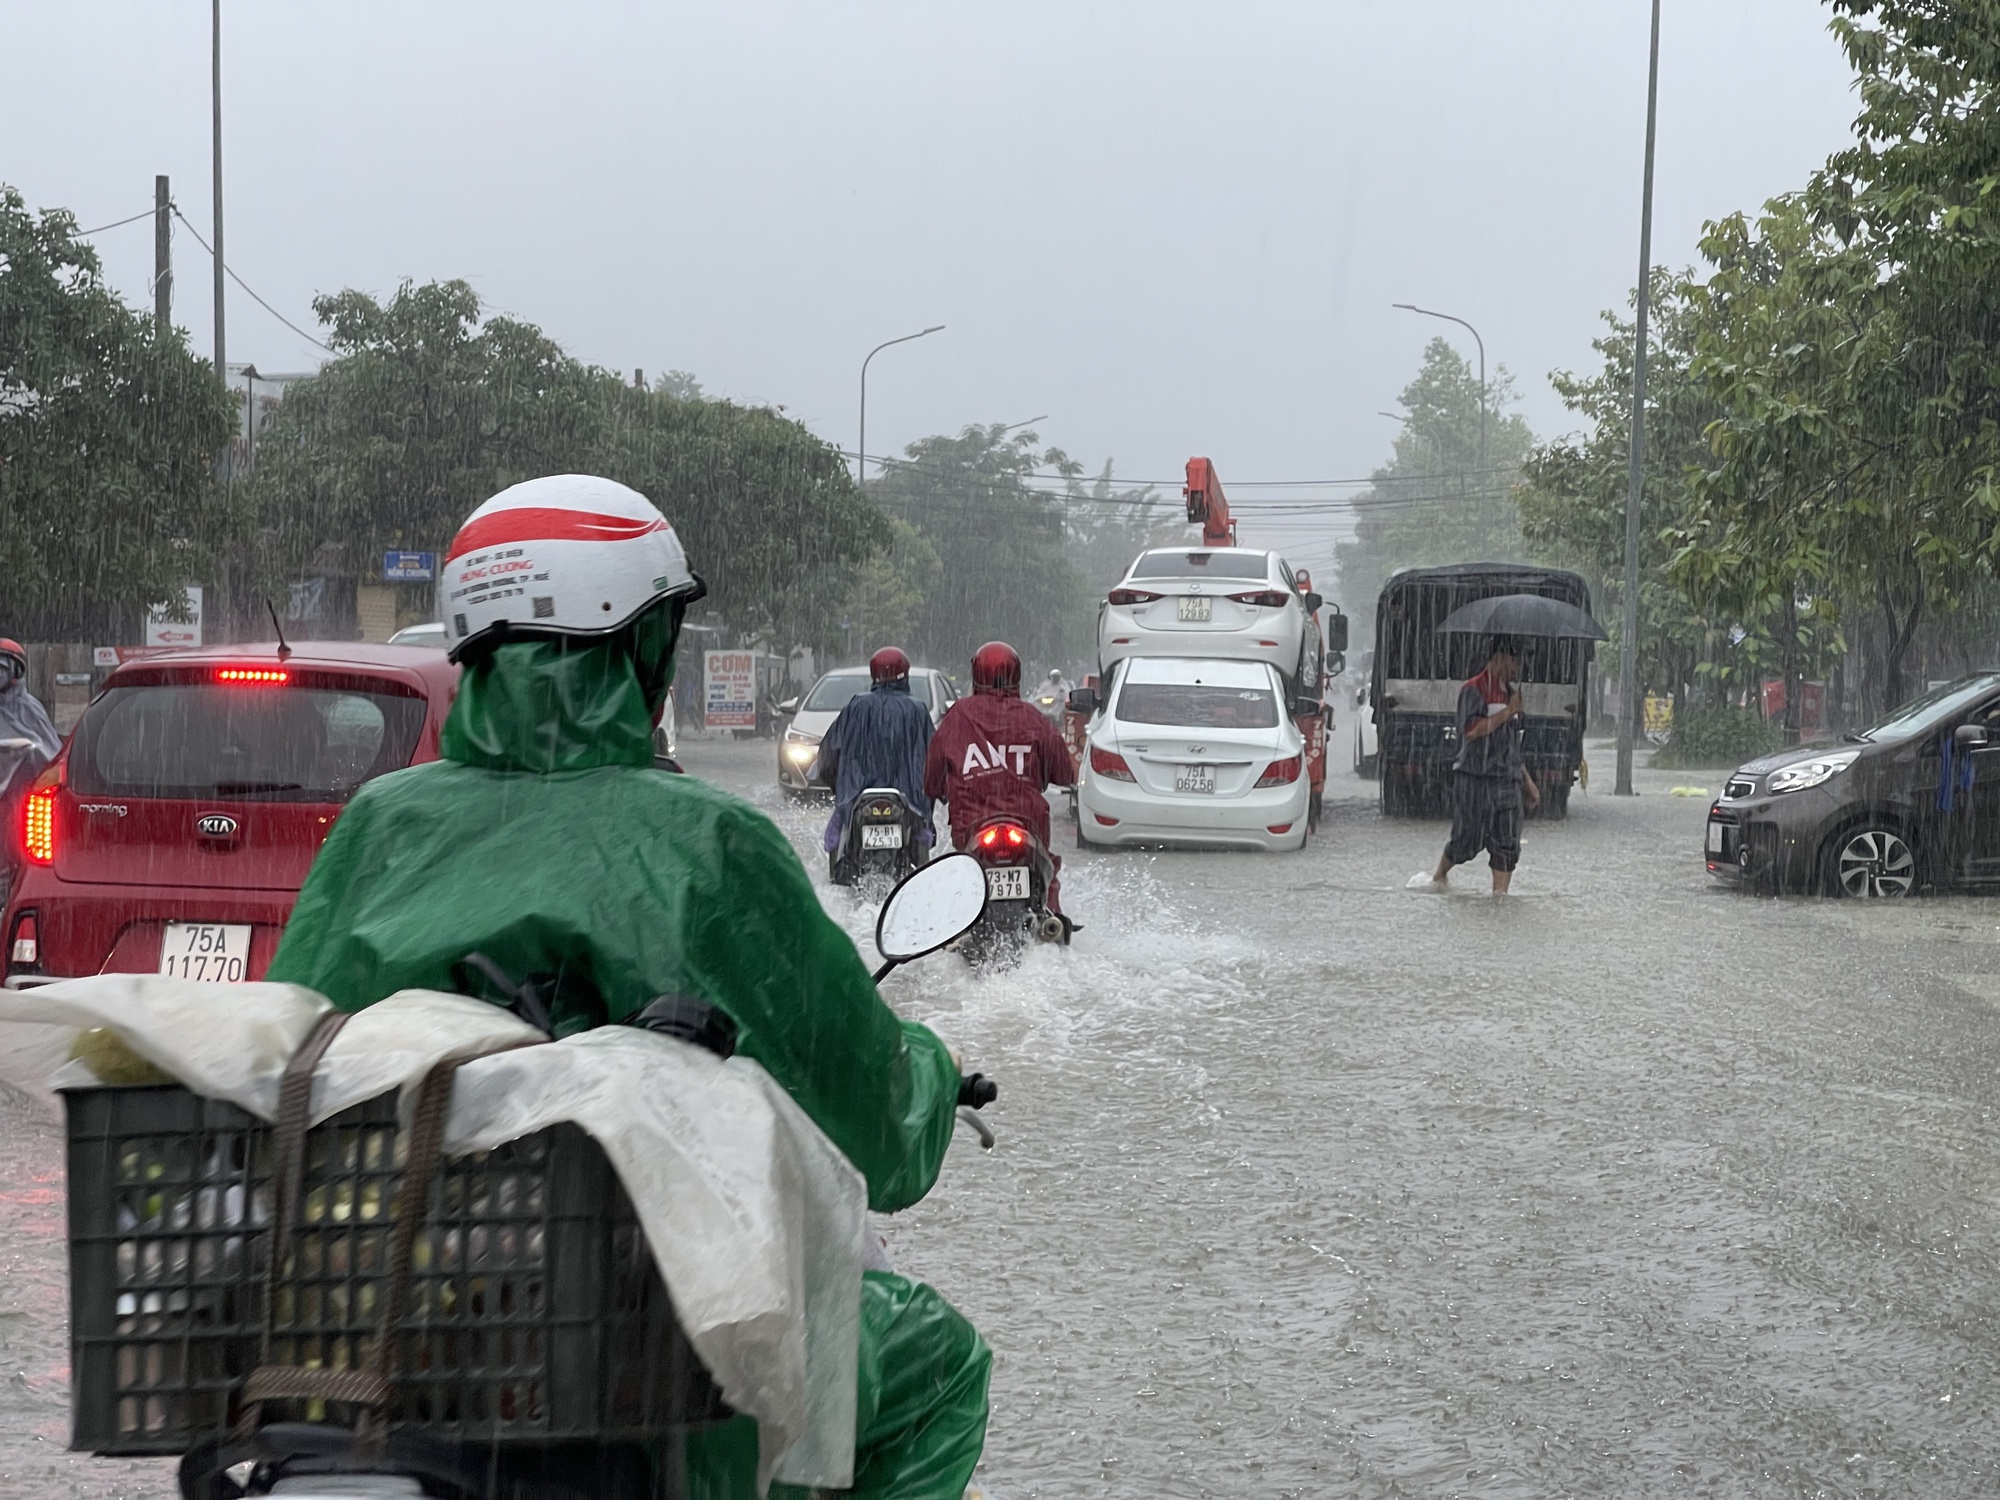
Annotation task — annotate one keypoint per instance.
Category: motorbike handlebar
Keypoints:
(977, 1091)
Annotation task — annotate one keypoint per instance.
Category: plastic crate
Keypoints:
(535, 1312)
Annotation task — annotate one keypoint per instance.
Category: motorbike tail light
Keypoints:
(1281, 773)
(1264, 598)
(25, 950)
(1015, 837)
(1111, 764)
(38, 817)
(988, 837)
(1131, 596)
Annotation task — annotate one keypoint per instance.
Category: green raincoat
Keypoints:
(546, 840)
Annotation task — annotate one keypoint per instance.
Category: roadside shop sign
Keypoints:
(729, 696)
(161, 631)
(409, 567)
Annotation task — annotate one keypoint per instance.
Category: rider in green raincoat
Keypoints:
(546, 840)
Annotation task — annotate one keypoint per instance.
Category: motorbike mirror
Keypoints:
(789, 706)
(1968, 735)
(1336, 632)
(1083, 700)
(932, 905)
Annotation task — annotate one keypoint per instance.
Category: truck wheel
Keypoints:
(1313, 809)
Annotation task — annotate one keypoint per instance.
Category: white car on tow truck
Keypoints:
(1195, 751)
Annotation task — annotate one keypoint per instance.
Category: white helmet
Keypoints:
(570, 554)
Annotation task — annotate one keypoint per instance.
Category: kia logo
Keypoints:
(216, 826)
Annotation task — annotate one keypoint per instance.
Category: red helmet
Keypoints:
(11, 651)
(888, 665)
(996, 668)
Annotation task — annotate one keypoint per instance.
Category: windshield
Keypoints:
(1920, 715)
(1227, 563)
(1196, 705)
(835, 691)
(282, 744)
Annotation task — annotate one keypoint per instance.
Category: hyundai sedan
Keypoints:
(1193, 751)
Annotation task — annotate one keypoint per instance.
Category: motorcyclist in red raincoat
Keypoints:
(993, 754)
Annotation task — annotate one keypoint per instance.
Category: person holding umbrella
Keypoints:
(1488, 780)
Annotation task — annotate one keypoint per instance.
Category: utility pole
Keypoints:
(221, 342)
(163, 259)
(1628, 653)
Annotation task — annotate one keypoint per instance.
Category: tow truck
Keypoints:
(1307, 671)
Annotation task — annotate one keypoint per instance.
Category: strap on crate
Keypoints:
(289, 1142)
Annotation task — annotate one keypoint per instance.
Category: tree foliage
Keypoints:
(1434, 501)
(109, 437)
(427, 409)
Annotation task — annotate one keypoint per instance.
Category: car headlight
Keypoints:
(1807, 773)
(800, 749)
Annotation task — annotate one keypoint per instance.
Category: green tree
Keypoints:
(109, 436)
(1433, 502)
(426, 410)
(998, 537)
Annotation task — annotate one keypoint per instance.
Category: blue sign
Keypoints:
(409, 567)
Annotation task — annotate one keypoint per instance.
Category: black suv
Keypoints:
(1912, 803)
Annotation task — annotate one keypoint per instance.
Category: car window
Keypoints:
(835, 691)
(1197, 705)
(285, 744)
(1921, 715)
(1224, 563)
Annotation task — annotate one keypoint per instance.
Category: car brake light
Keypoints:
(1131, 596)
(1280, 773)
(1264, 598)
(26, 948)
(1111, 764)
(38, 817)
(253, 676)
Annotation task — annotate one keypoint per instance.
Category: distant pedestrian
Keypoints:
(1488, 779)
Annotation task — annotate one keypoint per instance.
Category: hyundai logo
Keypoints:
(216, 826)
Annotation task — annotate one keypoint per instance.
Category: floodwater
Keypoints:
(1311, 1185)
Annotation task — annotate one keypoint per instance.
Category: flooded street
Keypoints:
(1308, 1184)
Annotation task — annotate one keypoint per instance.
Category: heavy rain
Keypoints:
(1436, 565)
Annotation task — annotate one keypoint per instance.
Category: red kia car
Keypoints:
(174, 830)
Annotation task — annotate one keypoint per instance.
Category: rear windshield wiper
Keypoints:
(225, 787)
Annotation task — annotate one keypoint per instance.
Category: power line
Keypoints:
(115, 223)
(247, 287)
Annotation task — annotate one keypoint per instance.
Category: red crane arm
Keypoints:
(1207, 506)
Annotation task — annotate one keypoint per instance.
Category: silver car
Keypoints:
(814, 714)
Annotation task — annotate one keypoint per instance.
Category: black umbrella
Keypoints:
(1523, 614)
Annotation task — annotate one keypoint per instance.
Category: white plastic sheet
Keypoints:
(755, 1219)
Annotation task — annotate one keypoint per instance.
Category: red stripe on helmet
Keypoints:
(539, 523)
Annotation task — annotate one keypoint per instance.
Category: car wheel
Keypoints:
(1871, 862)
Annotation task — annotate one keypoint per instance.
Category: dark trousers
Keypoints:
(1485, 814)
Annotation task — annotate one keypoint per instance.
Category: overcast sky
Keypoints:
(1174, 228)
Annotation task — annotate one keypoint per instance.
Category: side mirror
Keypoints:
(1313, 602)
(934, 904)
(789, 706)
(1336, 632)
(1083, 700)
(1966, 736)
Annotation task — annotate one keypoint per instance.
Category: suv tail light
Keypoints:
(1108, 763)
(24, 950)
(38, 817)
(1264, 598)
(1280, 773)
(1131, 596)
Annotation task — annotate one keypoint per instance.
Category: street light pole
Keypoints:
(861, 443)
(1628, 653)
(215, 38)
(1412, 307)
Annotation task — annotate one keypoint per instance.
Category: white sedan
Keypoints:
(1229, 601)
(1194, 751)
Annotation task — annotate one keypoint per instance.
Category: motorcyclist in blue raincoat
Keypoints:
(880, 739)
